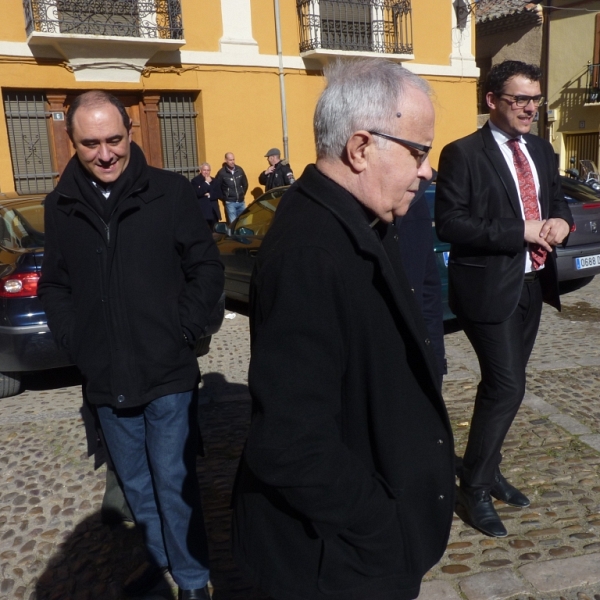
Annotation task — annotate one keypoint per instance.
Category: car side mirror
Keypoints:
(220, 228)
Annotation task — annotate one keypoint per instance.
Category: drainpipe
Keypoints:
(546, 65)
(281, 82)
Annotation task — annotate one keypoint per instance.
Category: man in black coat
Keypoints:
(278, 173)
(345, 487)
(204, 186)
(500, 205)
(231, 185)
(130, 277)
(415, 242)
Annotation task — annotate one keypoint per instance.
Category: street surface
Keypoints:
(54, 547)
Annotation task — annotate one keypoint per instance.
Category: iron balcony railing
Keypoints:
(593, 84)
(125, 18)
(383, 26)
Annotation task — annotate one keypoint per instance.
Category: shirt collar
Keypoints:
(501, 137)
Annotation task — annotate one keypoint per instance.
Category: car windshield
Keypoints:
(256, 220)
(22, 224)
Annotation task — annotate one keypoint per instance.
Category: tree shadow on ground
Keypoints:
(95, 559)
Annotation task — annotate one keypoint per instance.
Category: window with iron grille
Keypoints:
(27, 122)
(177, 115)
(356, 25)
(130, 18)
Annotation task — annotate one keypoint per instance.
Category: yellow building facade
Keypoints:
(573, 111)
(200, 79)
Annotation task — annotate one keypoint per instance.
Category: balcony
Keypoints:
(355, 28)
(593, 84)
(99, 38)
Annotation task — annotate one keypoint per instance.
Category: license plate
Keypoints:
(586, 262)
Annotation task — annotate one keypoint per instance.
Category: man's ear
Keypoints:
(490, 99)
(358, 148)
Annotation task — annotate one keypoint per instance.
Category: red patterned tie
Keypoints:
(528, 197)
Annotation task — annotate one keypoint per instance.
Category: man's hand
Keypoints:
(555, 231)
(533, 230)
(269, 170)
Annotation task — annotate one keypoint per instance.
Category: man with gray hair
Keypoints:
(345, 487)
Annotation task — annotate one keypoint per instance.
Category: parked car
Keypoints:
(26, 343)
(581, 256)
(580, 259)
(239, 247)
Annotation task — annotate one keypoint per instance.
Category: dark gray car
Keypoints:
(581, 256)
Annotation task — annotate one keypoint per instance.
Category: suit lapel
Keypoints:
(496, 158)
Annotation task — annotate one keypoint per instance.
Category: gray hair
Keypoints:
(204, 165)
(360, 94)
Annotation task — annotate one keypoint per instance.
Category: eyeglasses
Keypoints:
(523, 101)
(425, 150)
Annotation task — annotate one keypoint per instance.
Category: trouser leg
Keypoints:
(503, 350)
(171, 436)
(125, 435)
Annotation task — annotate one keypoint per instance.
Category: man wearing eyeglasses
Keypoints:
(345, 489)
(500, 205)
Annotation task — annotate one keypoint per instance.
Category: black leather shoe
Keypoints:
(508, 493)
(143, 579)
(481, 513)
(198, 594)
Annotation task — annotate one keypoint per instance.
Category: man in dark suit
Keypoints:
(345, 489)
(500, 205)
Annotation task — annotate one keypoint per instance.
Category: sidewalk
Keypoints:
(53, 545)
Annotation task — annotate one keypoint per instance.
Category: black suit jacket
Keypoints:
(478, 211)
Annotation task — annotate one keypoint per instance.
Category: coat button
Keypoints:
(441, 497)
(440, 442)
(121, 398)
(427, 341)
(99, 249)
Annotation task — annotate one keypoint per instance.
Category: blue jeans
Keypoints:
(153, 448)
(234, 210)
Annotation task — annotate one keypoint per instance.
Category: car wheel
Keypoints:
(203, 345)
(10, 384)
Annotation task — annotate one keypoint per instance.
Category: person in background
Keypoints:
(345, 489)
(231, 185)
(204, 191)
(415, 241)
(278, 173)
(499, 203)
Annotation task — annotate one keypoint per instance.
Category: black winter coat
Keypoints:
(345, 489)
(281, 175)
(208, 203)
(120, 296)
(230, 187)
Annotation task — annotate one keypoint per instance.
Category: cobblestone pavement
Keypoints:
(53, 545)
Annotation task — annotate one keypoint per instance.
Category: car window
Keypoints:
(578, 192)
(256, 220)
(22, 225)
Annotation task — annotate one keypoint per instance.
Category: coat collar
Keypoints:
(352, 216)
(74, 178)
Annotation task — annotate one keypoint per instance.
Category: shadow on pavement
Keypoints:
(92, 562)
(51, 379)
